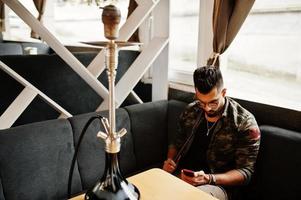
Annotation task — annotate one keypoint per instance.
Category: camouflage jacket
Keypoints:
(234, 142)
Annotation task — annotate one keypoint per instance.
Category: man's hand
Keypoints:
(200, 178)
(169, 165)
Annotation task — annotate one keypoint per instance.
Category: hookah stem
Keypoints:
(112, 74)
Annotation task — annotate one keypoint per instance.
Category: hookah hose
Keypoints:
(76, 151)
(187, 142)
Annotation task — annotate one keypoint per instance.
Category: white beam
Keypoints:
(161, 18)
(97, 65)
(104, 105)
(205, 36)
(160, 76)
(136, 19)
(77, 66)
(16, 108)
(136, 96)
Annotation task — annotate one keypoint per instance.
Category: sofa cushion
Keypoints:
(149, 127)
(279, 162)
(91, 155)
(35, 160)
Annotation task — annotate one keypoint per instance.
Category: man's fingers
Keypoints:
(172, 162)
(199, 173)
(198, 179)
(169, 165)
(172, 166)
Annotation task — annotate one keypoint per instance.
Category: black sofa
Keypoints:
(35, 158)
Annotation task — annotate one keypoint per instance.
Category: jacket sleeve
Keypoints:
(247, 147)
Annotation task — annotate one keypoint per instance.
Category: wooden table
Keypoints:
(156, 184)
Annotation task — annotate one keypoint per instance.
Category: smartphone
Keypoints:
(188, 172)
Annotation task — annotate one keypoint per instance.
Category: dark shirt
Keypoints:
(196, 158)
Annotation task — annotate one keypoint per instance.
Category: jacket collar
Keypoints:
(226, 107)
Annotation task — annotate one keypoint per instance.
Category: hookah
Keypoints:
(112, 185)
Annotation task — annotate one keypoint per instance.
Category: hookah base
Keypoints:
(127, 191)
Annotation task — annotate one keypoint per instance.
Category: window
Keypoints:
(263, 63)
(67, 20)
(16, 29)
(184, 34)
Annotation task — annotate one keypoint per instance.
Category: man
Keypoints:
(217, 138)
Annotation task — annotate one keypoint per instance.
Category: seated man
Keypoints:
(217, 138)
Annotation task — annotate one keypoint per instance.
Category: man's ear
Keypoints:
(224, 91)
(196, 90)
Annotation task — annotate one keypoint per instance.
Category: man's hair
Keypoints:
(206, 78)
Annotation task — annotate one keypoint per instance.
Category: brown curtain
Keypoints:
(2, 17)
(40, 6)
(132, 6)
(228, 16)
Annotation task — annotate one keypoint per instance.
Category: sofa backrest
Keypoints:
(149, 128)
(277, 174)
(273, 115)
(35, 161)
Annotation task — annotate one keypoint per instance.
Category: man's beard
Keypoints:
(212, 114)
(215, 113)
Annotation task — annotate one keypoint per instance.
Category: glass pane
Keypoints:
(183, 34)
(19, 30)
(264, 61)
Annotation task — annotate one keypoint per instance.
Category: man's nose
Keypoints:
(207, 108)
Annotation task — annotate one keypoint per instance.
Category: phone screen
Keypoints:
(188, 172)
